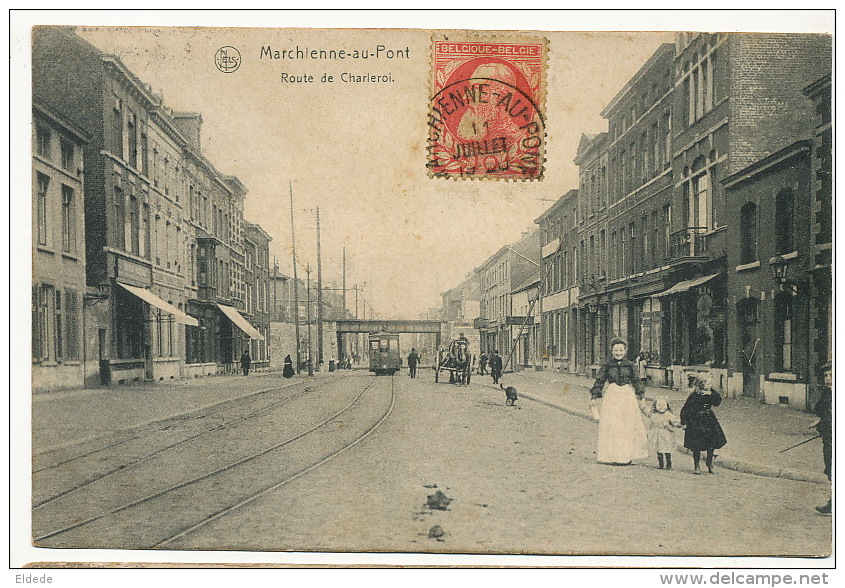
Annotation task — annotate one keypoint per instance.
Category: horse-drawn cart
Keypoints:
(457, 360)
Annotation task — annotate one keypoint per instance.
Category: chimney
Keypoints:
(190, 124)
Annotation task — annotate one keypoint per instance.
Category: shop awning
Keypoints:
(153, 300)
(240, 322)
(686, 285)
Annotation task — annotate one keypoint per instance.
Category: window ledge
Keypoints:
(748, 266)
(783, 376)
(786, 256)
(44, 249)
(70, 256)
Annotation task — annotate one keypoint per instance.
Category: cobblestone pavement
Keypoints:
(520, 480)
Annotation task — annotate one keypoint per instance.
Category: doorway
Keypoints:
(748, 317)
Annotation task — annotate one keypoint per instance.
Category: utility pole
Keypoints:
(319, 299)
(308, 319)
(295, 283)
(343, 340)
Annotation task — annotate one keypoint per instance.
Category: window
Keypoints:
(133, 226)
(117, 127)
(155, 167)
(645, 244)
(68, 156)
(144, 240)
(748, 233)
(784, 222)
(783, 332)
(623, 260)
(633, 258)
(71, 315)
(68, 220)
(667, 141)
(699, 87)
(58, 323)
(655, 227)
(145, 158)
(602, 251)
(119, 210)
(132, 131)
(614, 272)
(42, 318)
(42, 141)
(166, 164)
(667, 230)
(697, 196)
(41, 208)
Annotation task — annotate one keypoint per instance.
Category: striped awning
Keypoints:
(686, 285)
(233, 315)
(153, 300)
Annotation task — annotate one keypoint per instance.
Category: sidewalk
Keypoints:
(756, 432)
(67, 417)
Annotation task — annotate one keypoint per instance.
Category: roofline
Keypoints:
(44, 110)
(665, 47)
(788, 152)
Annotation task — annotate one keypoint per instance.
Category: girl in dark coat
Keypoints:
(703, 431)
(288, 369)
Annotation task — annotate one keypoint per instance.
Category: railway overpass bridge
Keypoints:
(354, 326)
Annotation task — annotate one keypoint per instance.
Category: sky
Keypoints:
(358, 151)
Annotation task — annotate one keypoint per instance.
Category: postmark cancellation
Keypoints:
(486, 115)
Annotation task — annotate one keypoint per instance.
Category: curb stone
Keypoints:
(724, 461)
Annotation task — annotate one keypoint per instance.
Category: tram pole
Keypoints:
(295, 284)
(308, 318)
(319, 299)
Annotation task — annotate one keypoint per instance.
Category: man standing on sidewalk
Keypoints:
(495, 366)
(824, 410)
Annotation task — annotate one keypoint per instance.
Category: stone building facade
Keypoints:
(163, 236)
(58, 251)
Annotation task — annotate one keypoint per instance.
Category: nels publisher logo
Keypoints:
(227, 59)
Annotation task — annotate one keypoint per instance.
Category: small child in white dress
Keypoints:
(661, 432)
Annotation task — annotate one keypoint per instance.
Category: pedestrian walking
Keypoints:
(622, 435)
(287, 371)
(246, 362)
(495, 361)
(703, 431)
(641, 362)
(482, 364)
(661, 431)
(413, 361)
(824, 410)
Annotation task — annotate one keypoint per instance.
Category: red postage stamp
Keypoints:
(486, 117)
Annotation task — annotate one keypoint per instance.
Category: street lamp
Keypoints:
(780, 266)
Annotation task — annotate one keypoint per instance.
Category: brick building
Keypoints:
(258, 307)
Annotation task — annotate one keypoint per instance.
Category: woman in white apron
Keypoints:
(622, 434)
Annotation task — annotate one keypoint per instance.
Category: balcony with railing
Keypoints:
(689, 243)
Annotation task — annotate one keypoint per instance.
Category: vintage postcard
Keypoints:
(430, 290)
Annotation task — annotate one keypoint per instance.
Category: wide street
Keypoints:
(352, 462)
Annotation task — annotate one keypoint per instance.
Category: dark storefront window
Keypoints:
(784, 224)
(129, 326)
(748, 233)
(783, 332)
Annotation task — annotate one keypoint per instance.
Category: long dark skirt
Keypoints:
(704, 432)
(288, 371)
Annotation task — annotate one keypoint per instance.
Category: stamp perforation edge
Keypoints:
(534, 147)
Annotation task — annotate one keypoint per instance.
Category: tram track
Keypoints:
(122, 467)
(227, 478)
(287, 480)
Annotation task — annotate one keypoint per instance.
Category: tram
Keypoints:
(384, 353)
